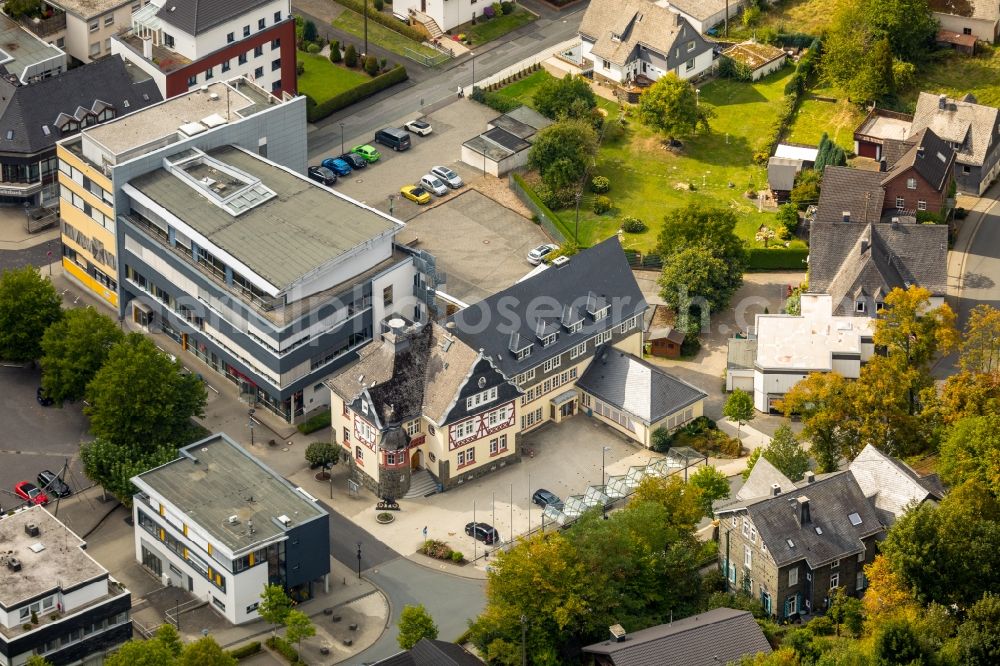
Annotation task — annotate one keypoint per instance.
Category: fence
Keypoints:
(520, 67)
(37, 219)
(428, 61)
(548, 219)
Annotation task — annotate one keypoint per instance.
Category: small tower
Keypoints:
(393, 479)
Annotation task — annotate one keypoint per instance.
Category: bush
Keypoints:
(351, 56)
(602, 204)
(316, 111)
(495, 101)
(313, 48)
(284, 648)
(508, 7)
(777, 258)
(600, 184)
(320, 454)
(309, 32)
(633, 225)
(788, 218)
(387, 20)
(371, 65)
(318, 422)
(439, 550)
(379, 5)
(300, 68)
(928, 217)
(245, 651)
(489, 12)
(820, 626)
(335, 55)
(457, 557)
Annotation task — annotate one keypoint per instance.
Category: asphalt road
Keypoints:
(981, 271)
(345, 538)
(34, 256)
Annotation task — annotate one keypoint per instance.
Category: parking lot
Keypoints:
(35, 437)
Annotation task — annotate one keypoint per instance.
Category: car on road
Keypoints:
(337, 165)
(482, 532)
(448, 177)
(543, 498)
(30, 493)
(322, 175)
(355, 160)
(51, 484)
(415, 193)
(367, 152)
(433, 184)
(43, 399)
(536, 256)
(421, 127)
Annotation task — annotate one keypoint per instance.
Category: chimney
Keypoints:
(775, 490)
(677, 19)
(920, 152)
(801, 506)
(847, 215)
(882, 165)
(396, 336)
(147, 48)
(617, 633)
(810, 477)
(942, 101)
(31, 529)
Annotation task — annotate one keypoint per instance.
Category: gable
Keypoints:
(484, 379)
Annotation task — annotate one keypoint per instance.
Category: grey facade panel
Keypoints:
(307, 551)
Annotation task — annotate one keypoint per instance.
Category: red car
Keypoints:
(31, 493)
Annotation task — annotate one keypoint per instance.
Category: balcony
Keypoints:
(166, 60)
(43, 27)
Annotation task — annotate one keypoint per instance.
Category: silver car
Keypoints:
(433, 184)
(449, 177)
(536, 256)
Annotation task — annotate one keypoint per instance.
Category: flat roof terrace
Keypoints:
(886, 125)
(808, 342)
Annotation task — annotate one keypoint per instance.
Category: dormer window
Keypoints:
(859, 306)
(481, 398)
(520, 348)
(548, 340)
(524, 353)
(597, 307)
(879, 306)
(615, 37)
(691, 45)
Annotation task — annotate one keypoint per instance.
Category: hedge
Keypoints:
(318, 422)
(316, 111)
(542, 208)
(494, 100)
(777, 258)
(245, 651)
(284, 648)
(387, 20)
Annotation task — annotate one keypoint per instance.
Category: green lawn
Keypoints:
(838, 119)
(647, 180)
(808, 16)
(956, 74)
(351, 22)
(323, 79)
(524, 91)
(487, 31)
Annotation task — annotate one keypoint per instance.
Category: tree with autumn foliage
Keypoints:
(822, 401)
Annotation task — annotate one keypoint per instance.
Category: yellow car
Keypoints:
(415, 193)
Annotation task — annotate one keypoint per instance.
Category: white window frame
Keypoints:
(551, 364)
(792, 603)
(921, 204)
(793, 576)
(835, 581)
(578, 350)
(602, 337)
(900, 202)
(747, 557)
(481, 398)
(911, 183)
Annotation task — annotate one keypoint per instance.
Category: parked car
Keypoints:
(448, 177)
(394, 137)
(536, 256)
(543, 498)
(43, 399)
(434, 184)
(321, 175)
(355, 160)
(415, 193)
(421, 127)
(30, 493)
(51, 484)
(367, 152)
(337, 165)
(482, 532)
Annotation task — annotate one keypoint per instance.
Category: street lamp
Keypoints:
(341, 138)
(392, 201)
(524, 630)
(473, 72)
(359, 560)
(603, 452)
(250, 413)
(576, 232)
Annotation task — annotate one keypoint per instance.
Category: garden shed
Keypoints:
(760, 59)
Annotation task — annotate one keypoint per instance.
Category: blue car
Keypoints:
(337, 165)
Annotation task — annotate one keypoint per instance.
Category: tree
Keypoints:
(694, 276)
(785, 452)
(19, 8)
(822, 401)
(671, 106)
(682, 502)
(415, 623)
(980, 344)
(562, 152)
(908, 26)
(351, 56)
(751, 462)
(322, 454)
(309, 33)
(113, 466)
(972, 451)
(739, 408)
(713, 485)
(979, 636)
(335, 54)
(204, 652)
(568, 97)
(887, 594)
(822, 153)
(274, 606)
(805, 192)
(73, 350)
(788, 217)
(140, 400)
(35, 660)
(29, 304)
(845, 611)
(896, 642)
(167, 635)
(371, 65)
(298, 626)
(141, 653)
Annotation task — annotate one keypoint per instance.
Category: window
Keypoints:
(525, 377)
(746, 528)
(168, 40)
(835, 564)
(911, 183)
(834, 581)
(551, 364)
(691, 45)
(921, 204)
(258, 73)
(359, 454)
(230, 38)
(498, 445)
(347, 436)
(466, 457)
(95, 49)
(261, 24)
(602, 337)
(276, 65)
(900, 202)
(792, 603)
(209, 73)
(965, 31)
(242, 59)
(246, 31)
(578, 351)
(524, 353)
(966, 169)
(413, 427)
(747, 557)
(387, 296)
(481, 398)
(277, 17)
(628, 325)
(689, 65)
(225, 66)
(859, 582)
(753, 534)
(109, 20)
(859, 306)
(275, 44)
(258, 51)
(390, 457)
(94, 26)
(218, 603)
(605, 64)
(793, 576)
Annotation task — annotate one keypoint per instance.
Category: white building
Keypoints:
(56, 601)
(442, 14)
(220, 524)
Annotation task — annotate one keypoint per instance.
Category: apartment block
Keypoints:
(55, 600)
(220, 524)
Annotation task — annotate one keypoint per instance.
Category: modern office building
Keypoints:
(55, 600)
(183, 44)
(220, 524)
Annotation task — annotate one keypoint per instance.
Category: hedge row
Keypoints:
(318, 422)
(316, 111)
(541, 209)
(794, 90)
(388, 20)
(245, 651)
(494, 100)
(284, 648)
(777, 258)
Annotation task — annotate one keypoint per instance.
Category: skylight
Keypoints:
(855, 519)
(791, 544)
(819, 530)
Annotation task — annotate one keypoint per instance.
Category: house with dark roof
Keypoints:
(891, 485)
(636, 41)
(793, 546)
(35, 116)
(504, 145)
(428, 652)
(971, 129)
(185, 44)
(879, 126)
(705, 15)
(718, 636)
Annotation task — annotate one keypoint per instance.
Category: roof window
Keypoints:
(855, 519)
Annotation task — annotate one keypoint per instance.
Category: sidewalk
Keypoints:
(13, 235)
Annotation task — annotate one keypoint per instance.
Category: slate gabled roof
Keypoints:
(854, 191)
(892, 485)
(832, 501)
(635, 386)
(762, 477)
(719, 636)
(927, 154)
(26, 109)
(967, 124)
(600, 272)
(197, 16)
(635, 22)
(429, 652)
(850, 261)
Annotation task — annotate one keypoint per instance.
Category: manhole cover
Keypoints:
(359, 180)
(486, 242)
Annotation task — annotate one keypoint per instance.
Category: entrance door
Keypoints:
(568, 409)
(152, 562)
(417, 460)
(423, 6)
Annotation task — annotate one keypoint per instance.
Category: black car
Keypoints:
(482, 532)
(543, 498)
(355, 160)
(322, 175)
(52, 485)
(42, 398)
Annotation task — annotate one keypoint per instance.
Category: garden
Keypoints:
(495, 24)
(322, 80)
(391, 40)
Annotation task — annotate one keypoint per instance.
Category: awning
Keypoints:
(563, 398)
(141, 307)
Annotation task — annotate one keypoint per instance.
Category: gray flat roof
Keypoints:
(302, 228)
(61, 563)
(215, 479)
(88, 8)
(22, 47)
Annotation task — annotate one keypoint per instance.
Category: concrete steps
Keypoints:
(422, 484)
(432, 27)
